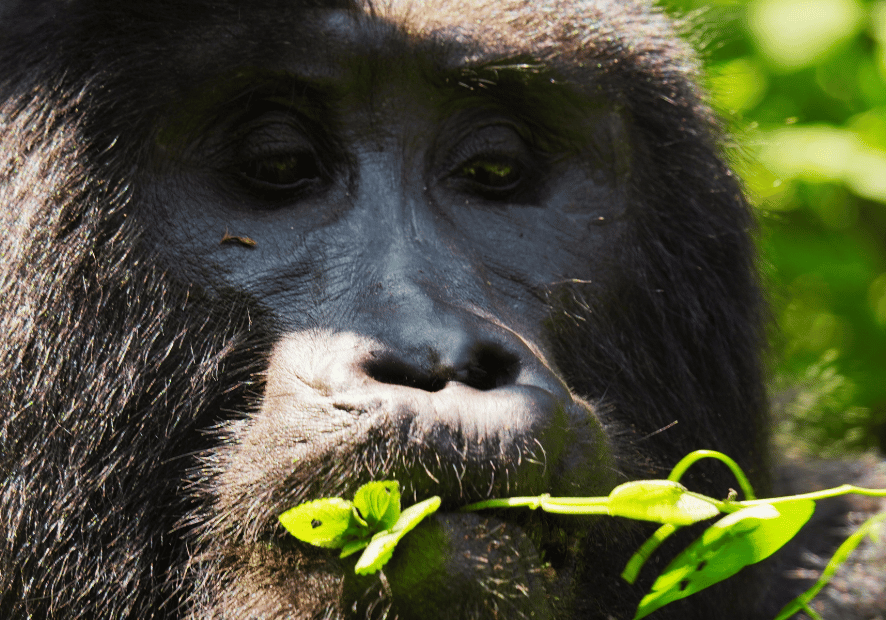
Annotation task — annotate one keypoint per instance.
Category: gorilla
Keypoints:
(257, 253)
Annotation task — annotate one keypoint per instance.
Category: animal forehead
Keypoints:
(327, 43)
(377, 62)
(597, 46)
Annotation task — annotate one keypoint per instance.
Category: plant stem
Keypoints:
(690, 459)
(843, 489)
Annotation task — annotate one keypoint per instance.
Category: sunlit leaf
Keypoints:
(323, 522)
(825, 153)
(735, 541)
(379, 503)
(354, 546)
(738, 85)
(663, 501)
(796, 33)
(868, 528)
(381, 548)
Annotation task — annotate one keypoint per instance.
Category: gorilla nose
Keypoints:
(479, 402)
(470, 380)
(465, 414)
(480, 365)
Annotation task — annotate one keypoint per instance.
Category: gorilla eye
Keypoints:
(495, 175)
(285, 172)
(494, 163)
(276, 156)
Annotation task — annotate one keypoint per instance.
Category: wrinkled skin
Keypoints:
(264, 252)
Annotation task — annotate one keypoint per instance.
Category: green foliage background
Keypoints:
(802, 86)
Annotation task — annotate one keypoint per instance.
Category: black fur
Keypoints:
(127, 390)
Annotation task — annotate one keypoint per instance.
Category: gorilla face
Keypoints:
(409, 220)
(484, 249)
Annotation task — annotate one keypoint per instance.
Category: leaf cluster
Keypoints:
(372, 522)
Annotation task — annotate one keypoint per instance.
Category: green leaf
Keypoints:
(741, 538)
(663, 501)
(354, 546)
(322, 522)
(379, 503)
(381, 548)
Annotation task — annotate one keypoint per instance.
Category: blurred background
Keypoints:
(801, 85)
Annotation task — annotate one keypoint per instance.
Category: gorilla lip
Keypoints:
(464, 453)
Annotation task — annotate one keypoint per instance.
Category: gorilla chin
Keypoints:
(259, 253)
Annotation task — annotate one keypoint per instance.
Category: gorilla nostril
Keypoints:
(485, 368)
(387, 370)
(489, 367)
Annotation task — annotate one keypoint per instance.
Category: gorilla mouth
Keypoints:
(461, 565)
(488, 564)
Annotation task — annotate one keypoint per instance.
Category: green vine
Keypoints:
(748, 531)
